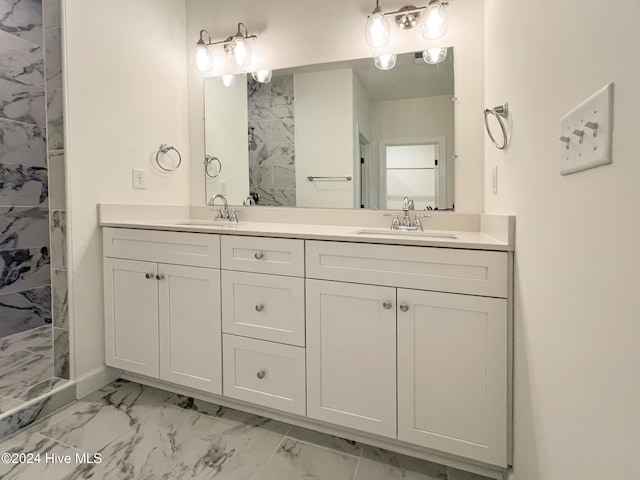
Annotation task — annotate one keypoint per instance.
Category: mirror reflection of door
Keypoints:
(411, 171)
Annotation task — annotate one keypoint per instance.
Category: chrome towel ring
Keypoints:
(500, 112)
(164, 148)
(208, 160)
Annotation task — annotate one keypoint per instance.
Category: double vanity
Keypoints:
(398, 339)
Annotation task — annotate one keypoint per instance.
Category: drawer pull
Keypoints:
(259, 255)
(148, 275)
(160, 277)
(261, 374)
(387, 305)
(259, 308)
(404, 308)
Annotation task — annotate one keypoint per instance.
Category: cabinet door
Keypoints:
(351, 355)
(190, 336)
(131, 315)
(452, 374)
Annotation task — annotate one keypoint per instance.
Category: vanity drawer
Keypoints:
(267, 307)
(279, 256)
(265, 373)
(180, 248)
(473, 272)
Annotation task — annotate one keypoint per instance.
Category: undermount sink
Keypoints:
(405, 233)
(208, 223)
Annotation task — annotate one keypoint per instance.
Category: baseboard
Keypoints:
(95, 379)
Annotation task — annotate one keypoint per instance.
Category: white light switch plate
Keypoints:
(594, 148)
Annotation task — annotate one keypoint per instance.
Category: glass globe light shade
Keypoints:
(238, 51)
(434, 55)
(201, 58)
(228, 80)
(436, 21)
(385, 62)
(262, 76)
(377, 30)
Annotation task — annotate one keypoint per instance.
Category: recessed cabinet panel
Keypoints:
(267, 307)
(452, 374)
(266, 373)
(351, 355)
(131, 316)
(472, 272)
(278, 256)
(181, 248)
(190, 337)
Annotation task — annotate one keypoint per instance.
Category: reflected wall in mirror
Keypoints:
(377, 136)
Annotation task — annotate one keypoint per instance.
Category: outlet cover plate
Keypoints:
(139, 178)
(595, 148)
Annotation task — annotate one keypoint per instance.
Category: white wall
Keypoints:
(324, 137)
(409, 121)
(226, 138)
(577, 312)
(125, 95)
(301, 33)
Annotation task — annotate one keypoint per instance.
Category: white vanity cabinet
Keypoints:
(452, 348)
(264, 321)
(163, 320)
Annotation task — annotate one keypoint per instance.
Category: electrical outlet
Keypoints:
(139, 178)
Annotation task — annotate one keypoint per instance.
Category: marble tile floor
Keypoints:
(136, 432)
(26, 367)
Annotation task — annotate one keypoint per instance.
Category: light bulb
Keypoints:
(228, 80)
(238, 51)
(436, 21)
(201, 58)
(434, 55)
(262, 76)
(385, 62)
(377, 30)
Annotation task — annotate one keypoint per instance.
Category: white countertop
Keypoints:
(344, 233)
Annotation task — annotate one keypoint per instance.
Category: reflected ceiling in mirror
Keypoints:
(341, 120)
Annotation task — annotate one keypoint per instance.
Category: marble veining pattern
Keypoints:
(22, 144)
(144, 433)
(22, 18)
(55, 121)
(23, 227)
(37, 340)
(21, 102)
(61, 353)
(53, 65)
(58, 225)
(22, 370)
(24, 311)
(51, 13)
(56, 167)
(59, 299)
(20, 60)
(23, 186)
(24, 269)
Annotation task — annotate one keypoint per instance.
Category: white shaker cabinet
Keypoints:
(452, 374)
(164, 320)
(351, 355)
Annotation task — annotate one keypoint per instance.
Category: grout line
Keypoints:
(327, 448)
(355, 474)
(279, 444)
(62, 443)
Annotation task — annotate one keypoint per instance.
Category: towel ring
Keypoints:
(164, 148)
(500, 112)
(208, 160)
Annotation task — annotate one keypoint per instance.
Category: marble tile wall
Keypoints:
(33, 275)
(272, 141)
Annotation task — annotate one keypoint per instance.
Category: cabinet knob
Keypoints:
(159, 277)
(259, 308)
(148, 275)
(261, 374)
(259, 255)
(404, 308)
(387, 305)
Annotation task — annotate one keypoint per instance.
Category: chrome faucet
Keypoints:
(224, 213)
(406, 223)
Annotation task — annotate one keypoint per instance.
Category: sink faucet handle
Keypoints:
(395, 222)
(233, 216)
(417, 223)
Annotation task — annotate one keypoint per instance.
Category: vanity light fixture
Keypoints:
(385, 62)
(262, 76)
(236, 47)
(433, 56)
(377, 29)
